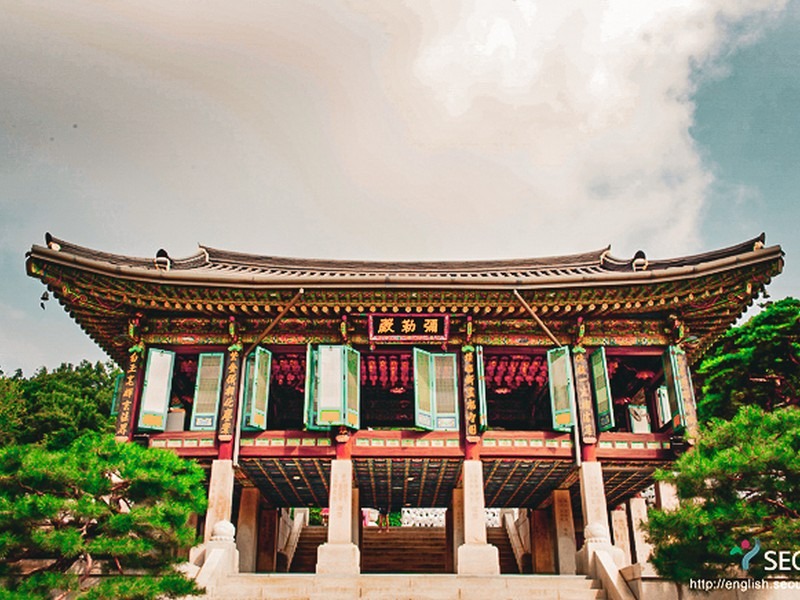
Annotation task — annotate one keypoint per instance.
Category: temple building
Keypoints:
(548, 388)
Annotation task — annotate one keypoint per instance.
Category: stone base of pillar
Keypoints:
(478, 559)
(584, 556)
(338, 559)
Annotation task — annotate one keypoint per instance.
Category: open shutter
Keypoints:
(247, 395)
(435, 391)
(352, 388)
(602, 390)
(330, 382)
(156, 389)
(445, 406)
(562, 389)
(312, 396)
(207, 389)
(483, 413)
(257, 399)
(117, 391)
(338, 386)
(423, 390)
(676, 401)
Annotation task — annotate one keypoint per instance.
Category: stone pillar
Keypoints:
(666, 496)
(565, 532)
(339, 555)
(247, 529)
(475, 556)
(595, 517)
(220, 496)
(641, 548)
(543, 557)
(619, 528)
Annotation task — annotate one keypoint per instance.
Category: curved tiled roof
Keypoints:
(103, 291)
(212, 265)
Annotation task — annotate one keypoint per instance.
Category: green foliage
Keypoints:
(56, 407)
(755, 363)
(741, 481)
(13, 411)
(118, 506)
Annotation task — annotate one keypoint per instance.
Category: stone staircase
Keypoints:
(498, 537)
(305, 556)
(404, 550)
(404, 587)
(406, 563)
(401, 550)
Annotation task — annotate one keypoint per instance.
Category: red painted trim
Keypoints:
(631, 350)
(633, 454)
(262, 446)
(287, 452)
(525, 451)
(405, 443)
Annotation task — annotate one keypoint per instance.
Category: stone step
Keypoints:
(405, 587)
(498, 537)
(400, 550)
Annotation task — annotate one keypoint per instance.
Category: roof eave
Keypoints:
(210, 278)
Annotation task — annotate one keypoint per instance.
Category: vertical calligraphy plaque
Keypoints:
(127, 395)
(230, 384)
(470, 394)
(583, 398)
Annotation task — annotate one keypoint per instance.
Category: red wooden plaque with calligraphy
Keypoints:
(393, 328)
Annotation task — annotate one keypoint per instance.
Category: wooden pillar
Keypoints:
(356, 518)
(455, 520)
(267, 556)
(247, 529)
(543, 557)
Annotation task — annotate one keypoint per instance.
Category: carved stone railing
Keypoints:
(300, 520)
(435, 517)
(517, 546)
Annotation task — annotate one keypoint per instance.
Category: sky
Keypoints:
(391, 130)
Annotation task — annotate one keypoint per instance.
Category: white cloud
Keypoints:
(353, 127)
(459, 129)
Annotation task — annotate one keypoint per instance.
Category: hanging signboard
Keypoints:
(393, 328)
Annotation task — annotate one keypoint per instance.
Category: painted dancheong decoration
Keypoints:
(409, 370)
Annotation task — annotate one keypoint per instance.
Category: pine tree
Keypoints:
(741, 482)
(755, 363)
(96, 506)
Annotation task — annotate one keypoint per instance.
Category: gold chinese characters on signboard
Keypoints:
(409, 328)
